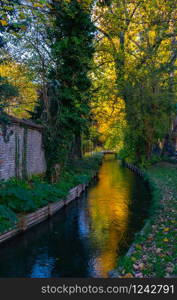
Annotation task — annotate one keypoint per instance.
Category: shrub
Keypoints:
(17, 198)
(20, 196)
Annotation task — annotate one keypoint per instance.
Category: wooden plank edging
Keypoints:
(134, 169)
(27, 221)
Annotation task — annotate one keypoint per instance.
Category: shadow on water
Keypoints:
(86, 238)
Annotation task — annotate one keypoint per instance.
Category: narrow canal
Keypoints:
(86, 238)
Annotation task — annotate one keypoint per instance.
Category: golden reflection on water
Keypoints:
(108, 204)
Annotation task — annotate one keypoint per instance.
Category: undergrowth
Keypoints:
(153, 253)
(24, 196)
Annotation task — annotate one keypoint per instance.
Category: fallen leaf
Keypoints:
(139, 275)
(166, 240)
(169, 269)
(166, 229)
(133, 258)
(128, 275)
(158, 250)
(141, 266)
(138, 247)
(3, 22)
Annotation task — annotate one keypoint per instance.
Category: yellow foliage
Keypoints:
(18, 75)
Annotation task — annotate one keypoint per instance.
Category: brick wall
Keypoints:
(21, 152)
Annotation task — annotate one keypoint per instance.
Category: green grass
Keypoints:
(23, 196)
(155, 249)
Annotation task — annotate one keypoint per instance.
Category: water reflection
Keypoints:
(86, 238)
(108, 211)
(43, 266)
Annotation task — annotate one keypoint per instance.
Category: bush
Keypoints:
(29, 199)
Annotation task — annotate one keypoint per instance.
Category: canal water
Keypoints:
(88, 237)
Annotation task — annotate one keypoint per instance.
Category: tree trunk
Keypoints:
(76, 149)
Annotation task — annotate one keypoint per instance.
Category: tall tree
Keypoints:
(68, 113)
(139, 35)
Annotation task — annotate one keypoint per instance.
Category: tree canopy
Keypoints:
(103, 73)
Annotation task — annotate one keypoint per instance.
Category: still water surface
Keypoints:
(86, 238)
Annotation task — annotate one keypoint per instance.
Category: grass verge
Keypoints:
(154, 251)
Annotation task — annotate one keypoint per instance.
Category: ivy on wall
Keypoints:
(17, 156)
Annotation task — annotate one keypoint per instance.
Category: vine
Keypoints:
(67, 107)
(5, 123)
(17, 156)
(24, 154)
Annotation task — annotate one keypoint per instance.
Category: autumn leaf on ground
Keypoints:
(166, 240)
(128, 275)
(3, 22)
(166, 229)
